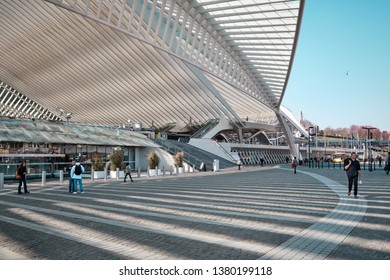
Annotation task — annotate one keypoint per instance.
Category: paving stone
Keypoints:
(258, 213)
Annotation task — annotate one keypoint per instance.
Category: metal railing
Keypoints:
(34, 170)
(208, 125)
(228, 155)
(340, 165)
(188, 158)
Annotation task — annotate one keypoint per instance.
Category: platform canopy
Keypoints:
(152, 62)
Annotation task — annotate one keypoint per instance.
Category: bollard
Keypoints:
(105, 174)
(147, 170)
(1, 181)
(92, 175)
(139, 172)
(117, 173)
(43, 178)
(61, 176)
(163, 170)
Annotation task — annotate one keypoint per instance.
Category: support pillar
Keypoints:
(43, 178)
(1, 181)
(61, 176)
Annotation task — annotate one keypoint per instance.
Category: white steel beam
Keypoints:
(175, 27)
(141, 18)
(182, 31)
(168, 21)
(151, 18)
(132, 14)
(160, 18)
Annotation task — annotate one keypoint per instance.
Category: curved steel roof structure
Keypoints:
(150, 61)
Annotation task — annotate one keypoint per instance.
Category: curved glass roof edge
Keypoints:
(41, 131)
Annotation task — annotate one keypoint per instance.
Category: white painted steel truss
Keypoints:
(151, 61)
(15, 105)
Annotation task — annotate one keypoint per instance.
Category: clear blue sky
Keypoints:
(339, 36)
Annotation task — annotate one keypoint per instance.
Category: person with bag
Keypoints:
(352, 168)
(77, 176)
(71, 181)
(21, 173)
(294, 164)
(387, 168)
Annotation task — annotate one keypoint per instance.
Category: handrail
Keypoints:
(190, 159)
(208, 125)
(226, 152)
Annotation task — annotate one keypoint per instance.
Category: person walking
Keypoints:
(128, 170)
(352, 168)
(294, 164)
(71, 181)
(262, 161)
(388, 163)
(77, 176)
(21, 173)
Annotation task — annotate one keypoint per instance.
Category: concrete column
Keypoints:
(61, 176)
(137, 157)
(240, 137)
(1, 181)
(92, 174)
(43, 178)
(289, 136)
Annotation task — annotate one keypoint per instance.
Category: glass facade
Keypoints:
(51, 146)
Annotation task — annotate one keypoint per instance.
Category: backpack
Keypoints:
(77, 170)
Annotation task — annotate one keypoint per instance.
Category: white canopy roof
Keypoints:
(154, 62)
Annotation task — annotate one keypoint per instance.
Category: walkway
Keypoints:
(258, 213)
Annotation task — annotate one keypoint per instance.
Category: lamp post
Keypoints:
(310, 134)
(369, 148)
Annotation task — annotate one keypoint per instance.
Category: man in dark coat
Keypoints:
(352, 167)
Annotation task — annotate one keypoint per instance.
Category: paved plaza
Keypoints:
(255, 213)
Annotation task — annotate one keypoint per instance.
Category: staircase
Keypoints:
(206, 127)
(193, 155)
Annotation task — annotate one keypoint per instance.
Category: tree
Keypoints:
(97, 163)
(179, 159)
(153, 160)
(116, 159)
